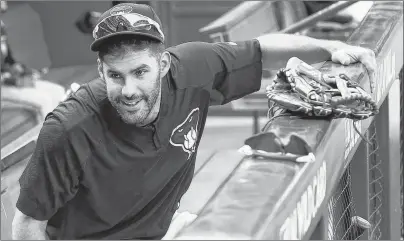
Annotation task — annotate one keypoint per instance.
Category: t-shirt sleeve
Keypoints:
(51, 177)
(227, 70)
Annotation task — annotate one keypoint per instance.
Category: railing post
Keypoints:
(321, 231)
(360, 183)
(387, 122)
(256, 125)
(401, 147)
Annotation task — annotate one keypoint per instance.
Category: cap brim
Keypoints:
(97, 43)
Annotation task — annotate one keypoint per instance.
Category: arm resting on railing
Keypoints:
(277, 49)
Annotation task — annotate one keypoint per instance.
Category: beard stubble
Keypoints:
(144, 115)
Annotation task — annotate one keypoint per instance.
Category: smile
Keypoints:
(130, 104)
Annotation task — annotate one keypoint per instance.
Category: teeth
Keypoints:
(131, 103)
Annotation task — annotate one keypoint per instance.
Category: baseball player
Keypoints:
(114, 160)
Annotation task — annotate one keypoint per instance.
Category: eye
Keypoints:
(114, 76)
(140, 72)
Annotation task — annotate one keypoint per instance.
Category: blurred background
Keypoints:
(57, 34)
(45, 48)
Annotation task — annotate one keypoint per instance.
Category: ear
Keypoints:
(165, 63)
(100, 69)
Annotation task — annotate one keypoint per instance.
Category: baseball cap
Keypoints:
(127, 19)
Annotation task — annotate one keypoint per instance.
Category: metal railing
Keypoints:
(352, 189)
(401, 149)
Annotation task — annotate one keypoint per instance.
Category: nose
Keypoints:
(130, 89)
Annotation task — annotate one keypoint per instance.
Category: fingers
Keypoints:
(358, 54)
(368, 59)
(341, 57)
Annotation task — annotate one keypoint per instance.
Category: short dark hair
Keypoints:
(119, 45)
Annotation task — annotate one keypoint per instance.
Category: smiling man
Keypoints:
(114, 160)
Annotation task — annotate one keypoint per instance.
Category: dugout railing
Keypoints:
(353, 189)
(251, 19)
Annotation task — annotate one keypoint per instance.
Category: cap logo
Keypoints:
(121, 10)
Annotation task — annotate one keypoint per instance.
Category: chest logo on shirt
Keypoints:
(185, 134)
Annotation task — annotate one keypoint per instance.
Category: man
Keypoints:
(114, 160)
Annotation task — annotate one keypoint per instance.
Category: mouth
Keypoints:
(130, 104)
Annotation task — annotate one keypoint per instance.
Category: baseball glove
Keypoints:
(300, 89)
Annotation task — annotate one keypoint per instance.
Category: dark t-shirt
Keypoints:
(95, 177)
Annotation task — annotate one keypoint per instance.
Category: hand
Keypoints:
(353, 54)
(179, 221)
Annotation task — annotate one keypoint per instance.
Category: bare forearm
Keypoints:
(28, 232)
(25, 227)
(277, 49)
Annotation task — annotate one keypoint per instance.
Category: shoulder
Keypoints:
(84, 105)
(192, 64)
(186, 50)
(74, 125)
(53, 131)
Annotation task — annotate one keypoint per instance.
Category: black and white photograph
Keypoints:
(202, 120)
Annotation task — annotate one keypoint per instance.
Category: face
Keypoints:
(133, 85)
